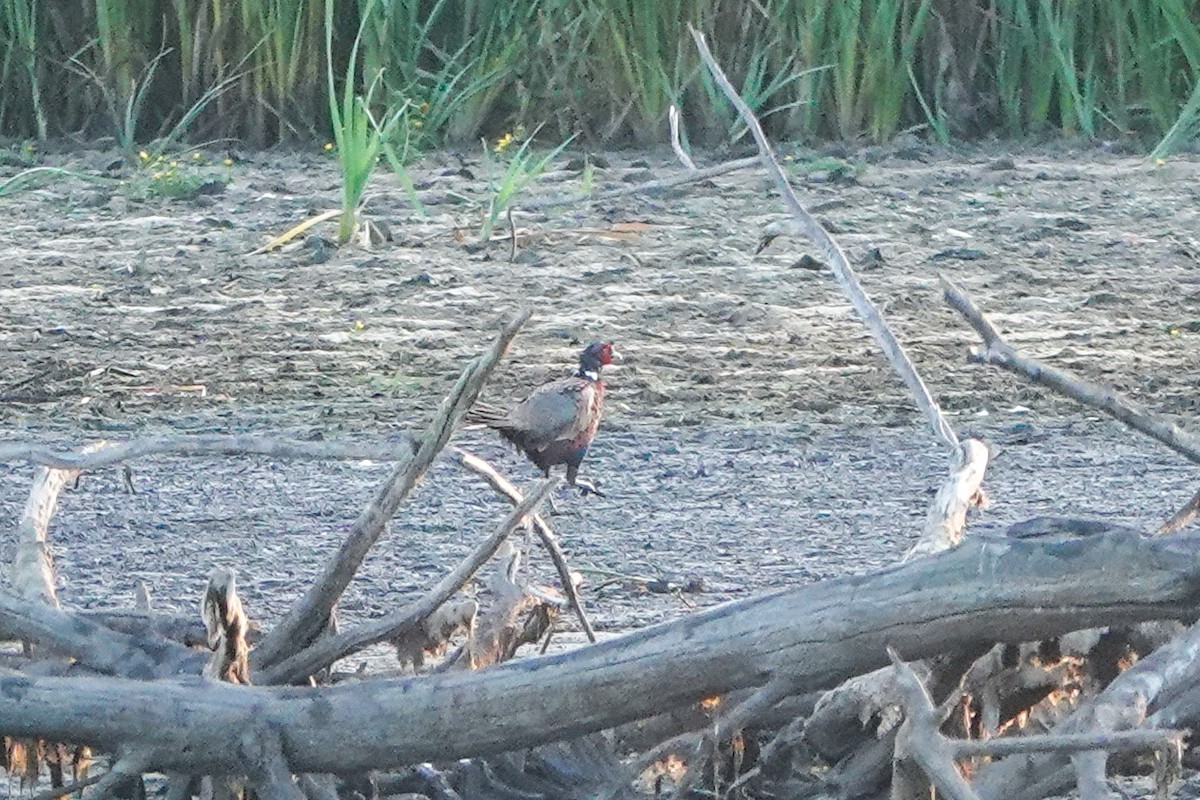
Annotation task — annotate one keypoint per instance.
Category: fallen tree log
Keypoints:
(986, 590)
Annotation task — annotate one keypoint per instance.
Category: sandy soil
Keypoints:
(754, 438)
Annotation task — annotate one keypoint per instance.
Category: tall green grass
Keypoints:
(605, 70)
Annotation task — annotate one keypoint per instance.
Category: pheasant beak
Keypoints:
(615, 357)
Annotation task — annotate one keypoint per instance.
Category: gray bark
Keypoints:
(986, 590)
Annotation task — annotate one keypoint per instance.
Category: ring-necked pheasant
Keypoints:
(557, 422)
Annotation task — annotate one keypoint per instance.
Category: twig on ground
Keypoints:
(207, 444)
(506, 489)
(834, 256)
(327, 650)
(998, 352)
(691, 176)
(306, 620)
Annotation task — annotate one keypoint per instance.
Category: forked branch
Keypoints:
(302, 625)
(327, 650)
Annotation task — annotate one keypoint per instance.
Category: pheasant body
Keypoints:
(557, 422)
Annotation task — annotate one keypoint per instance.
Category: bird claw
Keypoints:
(587, 487)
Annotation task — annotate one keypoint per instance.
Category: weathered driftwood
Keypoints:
(986, 590)
(225, 625)
(947, 516)
(1123, 705)
(921, 740)
(330, 648)
(833, 255)
(186, 630)
(506, 489)
(301, 626)
(32, 574)
(91, 644)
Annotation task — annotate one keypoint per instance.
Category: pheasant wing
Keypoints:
(558, 411)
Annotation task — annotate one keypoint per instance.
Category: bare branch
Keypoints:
(1113, 742)
(269, 773)
(309, 616)
(327, 650)
(676, 143)
(208, 444)
(1183, 517)
(834, 256)
(127, 767)
(987, 589)
(998, 352)
(92, 645)
(505, 488)
(919, 738)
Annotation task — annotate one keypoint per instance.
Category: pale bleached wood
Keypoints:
(962, 490)
(225, 625)
(327, 650)
(986, 590)
(32, 572)
(310, 615)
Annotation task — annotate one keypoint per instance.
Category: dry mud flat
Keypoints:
(754, 436)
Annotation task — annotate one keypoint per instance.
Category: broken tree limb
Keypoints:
(32, 574)
(1121, 706)
(109, 453)
(225, 625)
(301, 626)
(986, 590)
(920, 741)
(833, 256)
(540, 527)
(947, 516)
(329, 649)
(92, 645)
(999, 353)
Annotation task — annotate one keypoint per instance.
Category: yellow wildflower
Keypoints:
(328, 146)
(503, 142)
